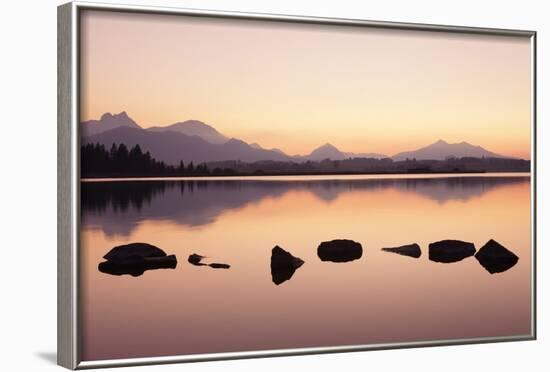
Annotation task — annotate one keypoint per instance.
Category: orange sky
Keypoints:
(297, 86)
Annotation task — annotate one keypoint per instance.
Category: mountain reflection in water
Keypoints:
(196, 203)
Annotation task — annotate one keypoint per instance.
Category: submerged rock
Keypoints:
(195, 259)
(136, 258)
(447, 251)
(410, 250)
(283, 265)
(133, 251)
(339, 250)
(495, 258)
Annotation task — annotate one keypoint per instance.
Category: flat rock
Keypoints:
(137, 267)
(283, 265)
(339, 250)
(495, 258)
(216, 265)
(133, 252)
(410, 250)
(447, 251)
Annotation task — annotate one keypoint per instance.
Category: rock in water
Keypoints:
(495, 258)
(283, 265)
(410, 250)
(339, 250)
(137, 268)
(447, 251)
(133, 252)
(195, 259)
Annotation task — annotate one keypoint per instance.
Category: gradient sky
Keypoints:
(297, 86)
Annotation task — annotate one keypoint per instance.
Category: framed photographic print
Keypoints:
(240, 185)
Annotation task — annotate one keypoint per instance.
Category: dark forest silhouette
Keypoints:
(119, 161)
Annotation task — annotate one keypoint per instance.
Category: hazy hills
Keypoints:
(328, 151)
(194, 128)
(442, 150)
(193, 140)
(171, 146)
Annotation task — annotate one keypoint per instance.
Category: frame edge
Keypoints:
(66, 329)
(67, 170)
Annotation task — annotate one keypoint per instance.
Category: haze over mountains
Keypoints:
(193, 140)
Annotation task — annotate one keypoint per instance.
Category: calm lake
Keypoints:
(382, 297)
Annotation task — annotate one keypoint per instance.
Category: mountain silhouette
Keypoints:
(442, 150)
(107, 122)
(258, 146)
(171, 146)
(194, 128)
(327, 151)
(193, 140)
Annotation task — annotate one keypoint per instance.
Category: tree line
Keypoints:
(97, 161)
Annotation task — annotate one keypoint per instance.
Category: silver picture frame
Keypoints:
(68, 197)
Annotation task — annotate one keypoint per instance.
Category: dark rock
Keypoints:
(447, 251)
(137, 267)
(195, 259)
(411, 250)
(133, 252)
(136, 258)
(283, 265)
(495, 258)
(339, 250)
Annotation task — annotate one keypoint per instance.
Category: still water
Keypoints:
(380, 298)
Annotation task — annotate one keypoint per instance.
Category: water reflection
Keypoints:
(117, 207)
(385, 298)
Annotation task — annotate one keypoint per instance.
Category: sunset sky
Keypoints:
(296, 86)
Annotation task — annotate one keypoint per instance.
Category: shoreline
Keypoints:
(307, 177)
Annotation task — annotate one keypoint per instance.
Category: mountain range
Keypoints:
(193, 140)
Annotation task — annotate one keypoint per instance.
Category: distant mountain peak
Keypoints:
(327, 146)
(121, 115)
(107, 122)
(194, 128)
(442, 150)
